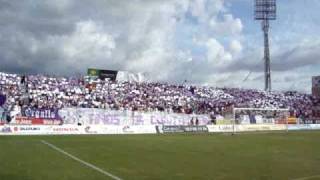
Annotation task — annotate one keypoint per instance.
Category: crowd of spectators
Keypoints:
(41, 91)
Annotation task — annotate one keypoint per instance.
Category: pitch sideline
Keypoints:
(81, 161)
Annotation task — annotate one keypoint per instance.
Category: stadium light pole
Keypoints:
(265, 10)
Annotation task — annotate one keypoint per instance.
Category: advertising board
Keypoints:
(304, 127)
(5, 130)
(220, 128)
(74, 130)
(315, 126)
(27, 130)
(103, 74)
(181, 129)
(261, 127)
(66, 129)
(223, 121)
(246, 127)
(36, 121)
(172, 129)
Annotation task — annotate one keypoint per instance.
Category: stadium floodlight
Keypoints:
(265, 10)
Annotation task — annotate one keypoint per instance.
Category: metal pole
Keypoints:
(234, 121)
(265, 10)
(265, 28)
(287, 121)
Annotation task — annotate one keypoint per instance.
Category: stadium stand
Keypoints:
(41, 91)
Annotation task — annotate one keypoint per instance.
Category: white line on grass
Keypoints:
(81, 161)
(306, 178)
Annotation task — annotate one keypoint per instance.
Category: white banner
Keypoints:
(119, 129)
(125, 76)
(131, 118)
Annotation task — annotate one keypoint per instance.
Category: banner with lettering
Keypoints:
(112, 117)
(44, 113)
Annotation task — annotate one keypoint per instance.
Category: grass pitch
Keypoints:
(180, 156)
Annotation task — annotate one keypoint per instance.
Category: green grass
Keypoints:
(180, 156)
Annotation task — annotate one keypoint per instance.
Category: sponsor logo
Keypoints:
(66, 129)
(15, 129)
(6, 130)
(89, 131)
(177, 129)
(37, 121)
(172, 129)
(300, 127)
(51, 122)
(258, 128)
(20, 120)
(127, 129)
(225, 128)
(29, 129)
(195, 129)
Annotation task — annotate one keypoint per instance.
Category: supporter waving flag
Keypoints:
(2, 99)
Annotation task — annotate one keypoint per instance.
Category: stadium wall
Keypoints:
(74, 130)
(246, 128)
(304, 127)
(98, 121)
(145, 129)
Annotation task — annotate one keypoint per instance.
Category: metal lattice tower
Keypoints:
(265, 10)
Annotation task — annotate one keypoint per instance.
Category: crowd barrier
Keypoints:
(182, 129)
(74, 130)
(262, 127)
(246, 128)
(19, 120)
(100, 121)
(145, 129)
(304, 127)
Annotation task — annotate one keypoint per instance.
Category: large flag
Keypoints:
(121, 76)
(2, 99)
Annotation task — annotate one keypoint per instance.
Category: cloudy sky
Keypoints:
(207, 42)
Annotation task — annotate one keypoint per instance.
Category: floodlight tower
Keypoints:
(265, 10)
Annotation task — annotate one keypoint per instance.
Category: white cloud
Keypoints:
(235, 47)
(227, 26)
(140, 36)
(89, 40)
(216, 53)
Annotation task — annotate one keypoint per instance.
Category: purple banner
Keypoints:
(44, 113)
(2, 99)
